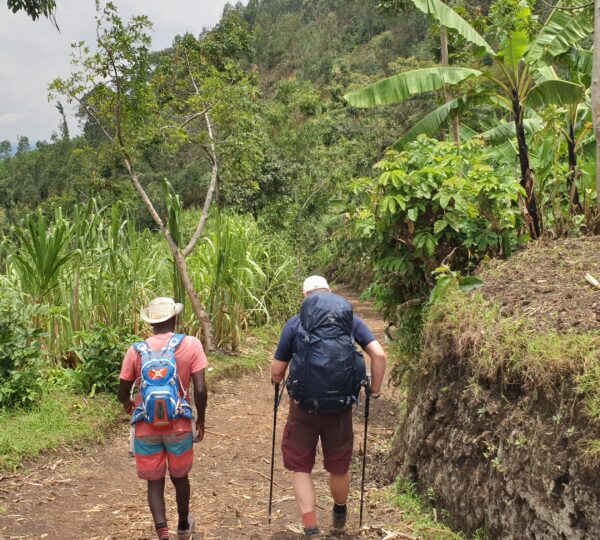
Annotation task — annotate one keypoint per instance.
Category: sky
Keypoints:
(33, 53)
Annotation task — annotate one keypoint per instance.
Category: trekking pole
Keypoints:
(275, 405)
(364, 463)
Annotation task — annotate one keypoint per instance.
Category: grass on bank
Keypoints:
(256, 351)
(59, 419)
(420, 519)
(418, 511)
(480, 336)
(63, 418)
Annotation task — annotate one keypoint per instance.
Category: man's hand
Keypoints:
(278, 369)
(129, 407)
(199, 431)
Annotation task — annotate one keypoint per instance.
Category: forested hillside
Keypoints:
(294, 142)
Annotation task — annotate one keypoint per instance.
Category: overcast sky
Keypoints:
(33, 53)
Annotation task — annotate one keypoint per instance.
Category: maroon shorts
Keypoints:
(301, 436)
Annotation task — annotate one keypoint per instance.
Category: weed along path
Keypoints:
(93, 493)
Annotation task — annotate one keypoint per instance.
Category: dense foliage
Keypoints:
(72, 289)
(487, 104)
(432, 206)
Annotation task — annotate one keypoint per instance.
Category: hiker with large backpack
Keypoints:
(326, 374)
(160, 369)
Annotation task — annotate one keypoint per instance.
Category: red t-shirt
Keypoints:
(190, 358)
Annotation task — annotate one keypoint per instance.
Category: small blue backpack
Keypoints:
(159, 386)
(326, 370)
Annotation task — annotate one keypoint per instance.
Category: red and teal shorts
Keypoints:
(153, 453)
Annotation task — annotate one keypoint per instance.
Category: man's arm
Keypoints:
(124, 395)
(285, 350)
(200, 399)
(378, 362)
(278, 369)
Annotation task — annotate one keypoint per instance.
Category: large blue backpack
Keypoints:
(159, 385)
(326, 369)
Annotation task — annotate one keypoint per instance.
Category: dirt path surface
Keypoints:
(95, 494)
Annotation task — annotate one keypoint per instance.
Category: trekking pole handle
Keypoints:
(276, 402)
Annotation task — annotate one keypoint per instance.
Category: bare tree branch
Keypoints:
(211, 190)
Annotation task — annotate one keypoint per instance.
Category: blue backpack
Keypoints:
(326, 370)
(159, 385)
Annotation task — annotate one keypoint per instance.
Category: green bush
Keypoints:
(21, 357)
(100, 355)
(433, 204)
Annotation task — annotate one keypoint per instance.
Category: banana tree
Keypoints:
(394, 6)
(579, 115)
(520, 78)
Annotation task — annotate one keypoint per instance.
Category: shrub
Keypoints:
(100, 353)
(21, 357)
(433, 204)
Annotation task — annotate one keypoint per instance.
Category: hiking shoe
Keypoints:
(312, 533)
(187, 534)
(338, 523)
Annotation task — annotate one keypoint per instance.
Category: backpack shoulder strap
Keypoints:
(141, 347)
(175, 341)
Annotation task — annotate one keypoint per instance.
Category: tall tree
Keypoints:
(395, 6)
(5, 149)
(123, 96)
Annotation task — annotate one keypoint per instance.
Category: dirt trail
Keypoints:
(94, 494)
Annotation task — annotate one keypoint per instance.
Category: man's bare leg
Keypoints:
(306, 499)
(156, 501)
(339, 485)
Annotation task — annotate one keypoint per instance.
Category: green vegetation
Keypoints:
(513, 355)
(511, 346)
(59, 419)
(418, 510)
(256, 352)
(66, 417)
(522, 81)
(73, 288)
(430, 206)
(421, 517)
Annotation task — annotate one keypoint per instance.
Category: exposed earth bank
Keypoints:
(502, 416)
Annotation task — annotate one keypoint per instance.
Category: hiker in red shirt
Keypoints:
(163, 366)
(318, 346)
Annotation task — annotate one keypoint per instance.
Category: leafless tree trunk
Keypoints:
(178, 256)
(446, 63)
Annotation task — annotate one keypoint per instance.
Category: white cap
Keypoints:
(314, 282)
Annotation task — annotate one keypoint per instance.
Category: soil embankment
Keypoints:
(93, 493)
(502, 418)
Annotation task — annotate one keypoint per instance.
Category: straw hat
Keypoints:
(160, 310)
(313, 283)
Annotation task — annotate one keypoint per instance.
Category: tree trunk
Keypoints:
(596, 102)
(574, 204)
(448, 96)
(177, 257)
(530, 210)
